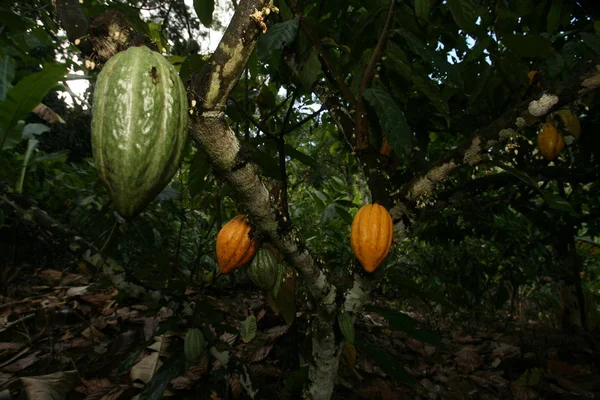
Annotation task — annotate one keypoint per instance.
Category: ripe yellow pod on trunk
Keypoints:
(234, 245)
(371, 236)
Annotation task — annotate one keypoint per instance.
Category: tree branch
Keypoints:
(474, 151)
(362, 124)
(209, 129)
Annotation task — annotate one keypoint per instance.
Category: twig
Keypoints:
(361, 129)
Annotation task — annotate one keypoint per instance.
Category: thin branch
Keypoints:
(302, 121)
(361, 129)
(329, 65)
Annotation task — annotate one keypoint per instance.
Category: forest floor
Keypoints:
(65, 337)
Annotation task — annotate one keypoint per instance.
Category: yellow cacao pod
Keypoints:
(235, 247)
(371, 235)
(549, 142)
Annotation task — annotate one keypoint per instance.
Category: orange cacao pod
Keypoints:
(549, 142)
(371, 235)
(235, 247)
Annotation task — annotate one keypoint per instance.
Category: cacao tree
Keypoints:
(308, 110)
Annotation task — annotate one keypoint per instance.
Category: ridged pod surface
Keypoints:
(139, 127)
(371, 235)
(193, 345)
(234, 246)
(264, 269)
(549, 142)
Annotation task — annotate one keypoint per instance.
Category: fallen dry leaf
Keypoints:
(49, 387)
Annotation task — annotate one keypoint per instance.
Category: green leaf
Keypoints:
(10, 139)
(7, 74)
(28, 93)
(553, 65)
(554, 15)
(463, 13)
(310, 70)
(344, 214)
(248, 329)
(32, 130)
(346, 325)
(300, 156)
(204, 10)
(392, 119)
(285, 302)
(423, 8)
(192, 65)
(592, 41)
(276, 38)
(528, 45)
(172, 368)
(431, 91)
(558, 203)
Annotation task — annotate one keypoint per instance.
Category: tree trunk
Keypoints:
(323, 370)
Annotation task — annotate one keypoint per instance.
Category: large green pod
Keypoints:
(139, 127)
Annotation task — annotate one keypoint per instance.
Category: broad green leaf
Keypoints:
(248, 329)
(285, 302)
(591, 40)
(423, 50)
(557, 202)
(463, 13)
(27, 93)
(423, 8)
(346, 325)
(554, 15)
(7, 74)
(528, 45)
(32, 130)
(9, 139)
(392, 119)
(328, 214)
(199, 170)
(553, 65)
(344, 214)
(157, 35)
(300, 156)
(204, 10)
(478, 50)
(431, 91)
(192, 65)
(173, 367)
(310, 70)
(277, 37)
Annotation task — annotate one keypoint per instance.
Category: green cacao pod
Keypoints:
(193, 345)
(346, 325)
(139, 127)
(264, 269)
